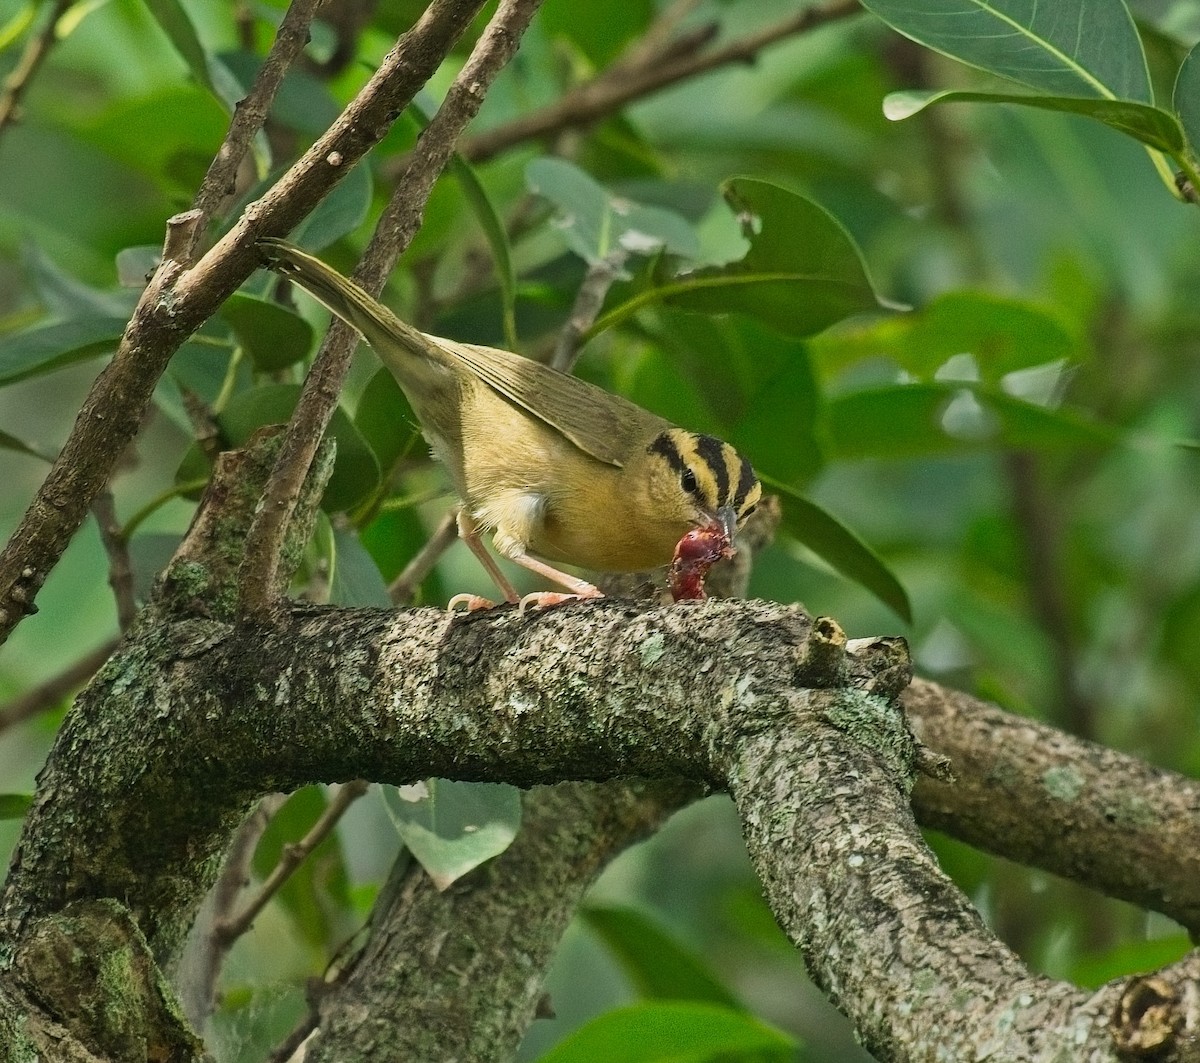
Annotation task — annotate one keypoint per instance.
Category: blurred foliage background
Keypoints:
(1007, 450)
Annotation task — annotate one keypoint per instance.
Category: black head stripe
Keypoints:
(663, 444)
(711, 451)
(746, 482)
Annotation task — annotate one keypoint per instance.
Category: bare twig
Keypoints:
(251, 112)
(50, 693)
(404, 586)
(399, 223)
(226, 931)
(177, 302)
(31, 59)
(588, 302)
(120, 571)
(199, 992)
(622, 84)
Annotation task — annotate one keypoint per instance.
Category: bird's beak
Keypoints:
(726, 518)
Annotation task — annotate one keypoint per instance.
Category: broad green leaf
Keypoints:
(840, 548)
(674, 1032)
(453, 827)
(176, 23)
(272, 335)
(339, 213)
(14, 806)
(386, 420)
(72, 18)
(493, 229)
(1158, 128)
(354, 578)
(1134, 957)
(916, 420)
(1186, 98)
(65, 296)
(355, 470)
(322, 878)
(801, 274)
(393, 539)
(781, 427)
(600, 31)
(595, 223)
(1066, 48)
(1002, 335)
(658, 966)
(44, 348)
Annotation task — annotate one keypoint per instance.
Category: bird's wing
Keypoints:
(599, 423)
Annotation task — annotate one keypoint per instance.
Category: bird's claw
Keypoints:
(472, 602)
(545, 599)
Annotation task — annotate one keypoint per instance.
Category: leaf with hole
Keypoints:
(802, 272)
(453, 827)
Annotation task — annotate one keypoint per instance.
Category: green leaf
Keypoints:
(64, 295)
(595, 223)
(11, 442)
(1066, 48)
(339, 213)
(14, 806)
(658, 966)
(354, 578)
(1002, 335)
(1151, 125)
(802, 272)
(44, 348)
(177, 25)
(136, 265)
(386, 420)
(453, 827)
(600, 31)
(1186, 98)
(272, 335)
(355, 470)
(916, 420)
(837, 545)
(12, 30)
(308, 892)
(674, 1032)
(493, 229)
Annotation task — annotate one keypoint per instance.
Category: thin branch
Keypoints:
(399, 223)
(251, 112)
(198, 992)
(116, 546)
(176, 302)
(228, 930)
(46, 696)
(36, 50)
(622, 84)
(405, 585)
(589, 301)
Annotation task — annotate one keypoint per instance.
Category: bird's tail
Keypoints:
(404, 349)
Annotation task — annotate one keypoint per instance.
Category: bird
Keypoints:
(559, 471)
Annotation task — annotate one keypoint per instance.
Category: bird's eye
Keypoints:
(687, 480)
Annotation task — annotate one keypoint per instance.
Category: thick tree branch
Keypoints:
(1041, 797)
(457, 975)
(397, 226)
(176, 303)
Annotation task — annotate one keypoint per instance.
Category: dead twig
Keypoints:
(120, 570)
(46, 696)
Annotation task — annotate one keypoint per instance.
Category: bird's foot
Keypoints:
(472, 602)
(545, 599)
